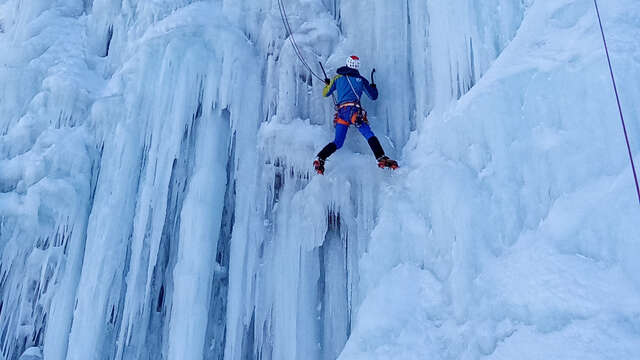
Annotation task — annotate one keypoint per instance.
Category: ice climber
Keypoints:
(350, 85)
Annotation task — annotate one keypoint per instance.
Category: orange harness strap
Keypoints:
(341, 122)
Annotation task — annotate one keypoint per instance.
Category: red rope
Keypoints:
(615, 88)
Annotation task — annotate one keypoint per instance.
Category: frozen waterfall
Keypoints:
(157, 199)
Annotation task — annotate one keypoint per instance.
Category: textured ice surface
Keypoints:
(157, 201)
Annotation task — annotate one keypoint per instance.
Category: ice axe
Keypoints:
(373, 72)
(322, 67)
(333, 96)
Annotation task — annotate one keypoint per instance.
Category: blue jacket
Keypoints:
(345, 92)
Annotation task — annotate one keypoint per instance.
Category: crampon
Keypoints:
(318, 164)
(385, 162)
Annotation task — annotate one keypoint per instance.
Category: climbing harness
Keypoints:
(615, 88)
(358, 118)
(344, 105)
(296, 49)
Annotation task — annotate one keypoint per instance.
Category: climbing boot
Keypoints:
(318, 164)
(385, 162)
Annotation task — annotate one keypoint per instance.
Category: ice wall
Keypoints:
(519, 209)
(156, 199)
(47, 171)
(119, 139)
(298, 277)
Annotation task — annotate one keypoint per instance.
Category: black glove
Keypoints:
(327, 81)
(373, 86)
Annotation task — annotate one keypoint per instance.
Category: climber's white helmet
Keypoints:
(353, 62)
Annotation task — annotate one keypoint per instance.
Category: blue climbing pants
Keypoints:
(346, 116)
(341, 133)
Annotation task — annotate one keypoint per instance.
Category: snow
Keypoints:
(157, 198)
